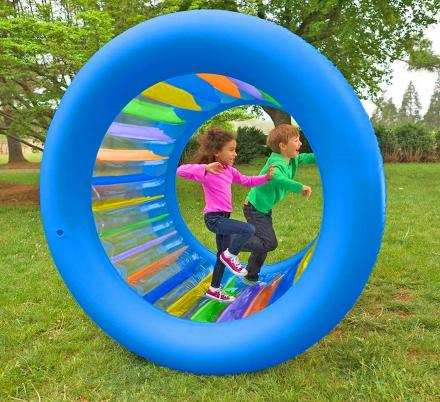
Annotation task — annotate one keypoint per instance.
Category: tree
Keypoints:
(45, 42)
(43, 46)
(409, 112)
(361, 38)
(423, 58)
(223, 119)
(385, 113)
(432, 116)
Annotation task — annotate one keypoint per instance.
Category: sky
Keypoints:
(423, 80)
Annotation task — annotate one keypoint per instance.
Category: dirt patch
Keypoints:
(404, 295)
(19, 194)
(420, 355)
(20, 165)
(337, 333)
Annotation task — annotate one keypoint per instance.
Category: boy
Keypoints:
(285, 143)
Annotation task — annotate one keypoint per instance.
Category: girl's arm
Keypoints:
(248, 181)
(193, 172)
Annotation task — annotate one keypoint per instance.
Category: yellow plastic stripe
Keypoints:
(120, 203)
(304, 262)
(182, 305)
(171, 95)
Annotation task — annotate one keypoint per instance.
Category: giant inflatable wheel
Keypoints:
(109, 205)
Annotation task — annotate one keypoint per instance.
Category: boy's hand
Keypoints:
(269, 173)
(214, 167)
(306, 192)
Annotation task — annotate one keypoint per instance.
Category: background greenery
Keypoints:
(43, 44)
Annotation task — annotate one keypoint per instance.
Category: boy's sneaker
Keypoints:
(217, 294)
(233, 264)
(253, 283)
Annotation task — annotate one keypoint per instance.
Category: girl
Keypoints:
(213, 168)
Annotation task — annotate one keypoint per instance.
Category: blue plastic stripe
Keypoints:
(171, 283)
(129, 178)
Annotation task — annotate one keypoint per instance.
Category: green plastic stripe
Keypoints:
(269, 98)
(132, 226)
(211, 310)
(151, 111)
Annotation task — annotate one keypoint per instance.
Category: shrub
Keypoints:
(305, 147)
(251, 144)
(388, 144)
(190, 150)
(437, 141)
(416, 142)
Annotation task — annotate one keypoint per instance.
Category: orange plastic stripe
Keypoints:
(155, 267)
(222, 83)
(126, 155)
(262, 299)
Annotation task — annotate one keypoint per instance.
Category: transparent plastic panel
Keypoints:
(123, 217)
(200, 273)
(145, 188)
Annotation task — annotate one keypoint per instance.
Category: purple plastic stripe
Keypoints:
(142, 247)
(248, 88)
(236, 310)
(138, 132)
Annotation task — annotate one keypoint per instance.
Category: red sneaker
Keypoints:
(233, 264)
(217, 294)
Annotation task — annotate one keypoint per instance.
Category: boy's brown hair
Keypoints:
(282, 133)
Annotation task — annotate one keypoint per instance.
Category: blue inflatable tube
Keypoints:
(312, 90)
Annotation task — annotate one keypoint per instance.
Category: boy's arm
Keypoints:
(248, 181)
(280, 179)
(193, 172)
(306, 159)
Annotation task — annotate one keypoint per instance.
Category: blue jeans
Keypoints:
(224, 228)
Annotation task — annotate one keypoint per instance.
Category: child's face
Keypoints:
(227, 154)
(291, 149)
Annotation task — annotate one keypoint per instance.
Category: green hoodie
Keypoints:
(264, 197)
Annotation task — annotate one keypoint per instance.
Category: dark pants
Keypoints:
(224, 228)
(262, 242)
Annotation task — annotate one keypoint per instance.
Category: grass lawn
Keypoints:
(386, 348)
(19, 178)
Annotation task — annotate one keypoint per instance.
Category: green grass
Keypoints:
(19, 178)
(387, 347)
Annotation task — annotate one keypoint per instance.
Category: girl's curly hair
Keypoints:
(211, 142)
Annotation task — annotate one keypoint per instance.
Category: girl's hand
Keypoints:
(214, 167)
(269, 173)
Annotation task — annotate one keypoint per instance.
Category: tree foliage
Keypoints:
(432, 116)
(224, 119)
(43, 43)
(409, 111)
(385, 114)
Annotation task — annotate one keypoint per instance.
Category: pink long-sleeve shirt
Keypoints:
(217, 187)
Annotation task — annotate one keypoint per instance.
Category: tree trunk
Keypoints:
(15, 151)
(278, 116)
